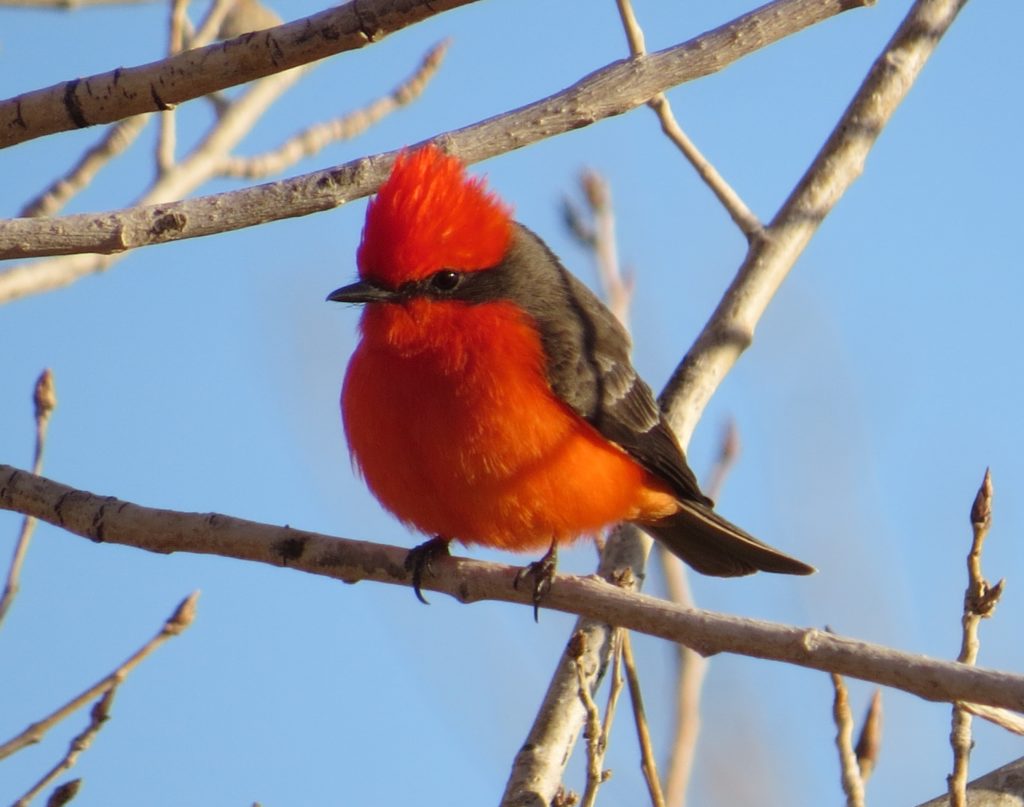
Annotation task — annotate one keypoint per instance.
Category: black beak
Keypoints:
(362, 292)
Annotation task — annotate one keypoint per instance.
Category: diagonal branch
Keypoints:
(536, 774)
(104, 519)
(613, 90)
(154, 87)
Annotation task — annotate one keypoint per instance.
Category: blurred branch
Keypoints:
(979, 603)
(309, 142)
(869, 743)
(734, 205)
(167, 136)
(610, 91)
(853, 785)
(182, 617)
(121, 93)
(597, 235)
(44, 401)
(105, 519)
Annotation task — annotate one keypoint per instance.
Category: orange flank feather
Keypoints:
(458, 433)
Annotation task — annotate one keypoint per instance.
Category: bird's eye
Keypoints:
(446, 280)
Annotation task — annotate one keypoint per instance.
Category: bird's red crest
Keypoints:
(427, 216)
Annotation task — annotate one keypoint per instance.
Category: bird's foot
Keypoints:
(543, 573)
(421, 559)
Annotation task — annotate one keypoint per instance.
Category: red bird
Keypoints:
(491, 398)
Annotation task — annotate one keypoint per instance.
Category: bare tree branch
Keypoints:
(154, 87)
(610, 91)
(105, 519)
(742, 215)
(177, 622)
(98, 715)
(537, 769)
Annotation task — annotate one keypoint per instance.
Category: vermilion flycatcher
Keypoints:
(491, 398)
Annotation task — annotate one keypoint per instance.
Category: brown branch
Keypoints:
(309, 142)
(610, 91)
(980, 600)
(44, 401)
(182, 617)
(853, 785)
(121, 93)
(105, 519)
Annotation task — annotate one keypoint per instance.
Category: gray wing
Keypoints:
(589, 366)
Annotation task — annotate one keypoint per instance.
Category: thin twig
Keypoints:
(643, 733)
(98, 715)
(979, 603)
(182, 617)
(44, 401)
(309, 142)
(869, 743)
(742, 215)
(853, 785)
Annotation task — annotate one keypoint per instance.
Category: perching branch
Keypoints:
(613, 90)
(105, 519)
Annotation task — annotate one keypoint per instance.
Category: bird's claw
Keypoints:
(421, 559)
(543, 573)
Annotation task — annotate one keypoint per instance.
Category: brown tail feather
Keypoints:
(714, 546)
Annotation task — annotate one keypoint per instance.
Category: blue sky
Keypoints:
(204, 375)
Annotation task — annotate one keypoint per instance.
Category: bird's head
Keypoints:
(428, 218)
